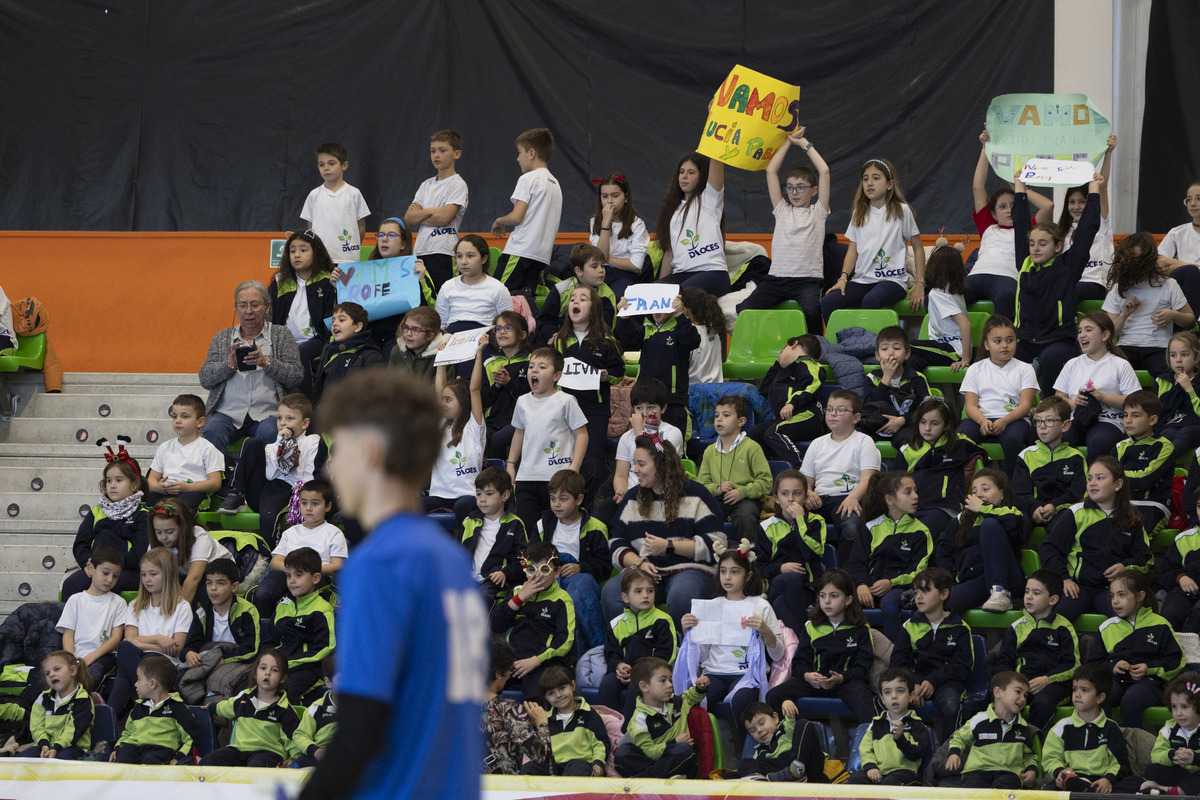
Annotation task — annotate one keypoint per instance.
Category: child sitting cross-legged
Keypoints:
(642, 630)
(657, 743)
(735, 470)
(302, 628)
(223, 639)
(997, 743)
(579, 741)
(936, 647)
(1086, 752)
(793, 388)
(538, 619)
(492, 534)
(1042, 646)
(1050, 475)
(316, 500)
(897, 740)
(318, 723)
(784, 750)
(161, 728)
(1173, 767)
(264, 722)
(790, 546)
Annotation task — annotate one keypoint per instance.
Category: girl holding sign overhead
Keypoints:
(584, 335)
(1094, 285)
(691, 226)
(666, 341)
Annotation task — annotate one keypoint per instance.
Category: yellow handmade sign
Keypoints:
(750, 117)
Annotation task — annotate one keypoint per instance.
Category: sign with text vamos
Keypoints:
(750, 117)
(1065, 127)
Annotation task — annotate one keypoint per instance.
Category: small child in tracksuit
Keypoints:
(784, 750)
(998, 744)
(1086, 752)
(1173, 768)
(657, 743)
(793, 388)
(161, 728)
(897, 741)
(318, 723)
(642, 630)
(579, 741)
(303, 627)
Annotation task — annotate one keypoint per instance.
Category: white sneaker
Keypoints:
(1001, 600)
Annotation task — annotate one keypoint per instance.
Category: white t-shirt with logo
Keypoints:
(433, 193)
(1140, 330)
(534, 237)
(187, 462)
(549, 424)
(155, 622)
(696, 242)
(1110, 374)
(1099, 257)
(1182, 242)
(92, 619)
(941, 307)
(626, 445)
(632, 247)
(334, 217)
(883, 245)
(999, 388)
(834, 467)
(472, 302)
(299, 320)
(327, 539)
(458, 465)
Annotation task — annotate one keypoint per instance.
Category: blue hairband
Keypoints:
(883, 164)
(398, 221)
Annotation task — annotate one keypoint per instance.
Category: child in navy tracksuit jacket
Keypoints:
(793, 388)
(666, 342)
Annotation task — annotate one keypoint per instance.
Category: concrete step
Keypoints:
(73, 431)
(99, 405)
(133, 383)
(30, 587)
(56, 475)
(45, 505)
(36, 452)
(34, 566)
(58, 525)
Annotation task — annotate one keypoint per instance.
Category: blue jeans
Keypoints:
(221, 430)
(713, 281)
(862, 295)
(1015, 438)
(679, 589)
(585, 594)
(1000, 290)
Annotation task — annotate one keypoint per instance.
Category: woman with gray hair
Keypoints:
(249, 368)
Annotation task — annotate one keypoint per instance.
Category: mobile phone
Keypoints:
(241, 354)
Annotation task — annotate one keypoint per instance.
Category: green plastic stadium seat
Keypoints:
(757, 339)
(1030, 562)
(788, 305)
(30, 353)
(903, 310)
(689, 467)
(978, 618)
(887, 451)
(1144, 378)
(1088, 306)
(944, 375)
(873, 319)
(976, 318)
(1089, 623)
(983, 307)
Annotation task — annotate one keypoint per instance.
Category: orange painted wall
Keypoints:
(149, 302)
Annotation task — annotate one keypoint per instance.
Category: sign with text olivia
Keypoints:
(385, 288)
(750, 117)
(649, 298)
(579, 376)
(1064, 127)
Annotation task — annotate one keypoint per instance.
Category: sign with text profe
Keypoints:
(649, 298)
(1064, 127)
(750, 117)
(385, 288)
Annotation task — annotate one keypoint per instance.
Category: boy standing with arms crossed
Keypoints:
(537, 209)
(335, 210)
(413, 649)
(438, 208)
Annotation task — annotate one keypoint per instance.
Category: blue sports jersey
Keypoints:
(413, 633)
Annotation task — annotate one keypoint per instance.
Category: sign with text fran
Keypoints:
(385, 288)
(579, 376)
(649, 298)
(750, 117)
(460, 347)
(1064, 127)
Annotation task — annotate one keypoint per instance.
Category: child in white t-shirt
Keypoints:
(437, 209)
(472, 298)
(797, 248)
(949, 342)
(550, 434)
(92, 623)
(1145, 305)
(537, 210)
(174, 527)
(998, 392)
(316, 500)
(690, 235)
(187, 468)
(452, 484)
(335, 210)
(619, 232)
(1183, 241)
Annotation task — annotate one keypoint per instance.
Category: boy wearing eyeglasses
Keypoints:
(417, 340)
(797, 260)
(538, 619)
(437, 209)
(1050, 475)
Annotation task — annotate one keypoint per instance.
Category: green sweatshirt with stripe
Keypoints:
(168, 724)
(993, 745)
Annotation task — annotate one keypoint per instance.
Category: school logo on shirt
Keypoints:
(881, 266)
(449, 230)
(846, 482)
(851, 641)
(690, 240)
(346, 239)
(1011, 403)
(459, 462)
(553, 458)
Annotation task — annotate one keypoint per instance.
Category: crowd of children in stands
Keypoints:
(578, 557)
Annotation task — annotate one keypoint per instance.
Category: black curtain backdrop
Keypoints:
(203, 115)
(1171, 125)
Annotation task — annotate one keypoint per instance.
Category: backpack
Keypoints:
(249, 551)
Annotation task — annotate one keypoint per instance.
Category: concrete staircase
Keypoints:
(50, 466)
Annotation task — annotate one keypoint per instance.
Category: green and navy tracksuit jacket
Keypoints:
(322, 297)
(1182, 558)
(1148, 640)
(550, 317)
(1149, 466)
(269, 728)
(1042, 475)
(594, 558)
(1039, 648)
(940, 654)
(666, 351)
(993, 745)
(544, 625)
(168, 724)
(652, 729)
(127, 536)
(795, 740)
(801, 541)
(631, 636)
(965, 561)
(302, 629)
(882, 751)
(1179, 408)
(1170, 738)
(1047, 294)
(799, 384)
(1093, 750)
(317, 725)
(893, 549)
(340, 359)
(244, 626)
(581, 737)
(939, 469)
(69, 725)
(499, 401)
(602, 354)
(1083, 541)
(826, 649)
(903, 397)
(506, 552)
